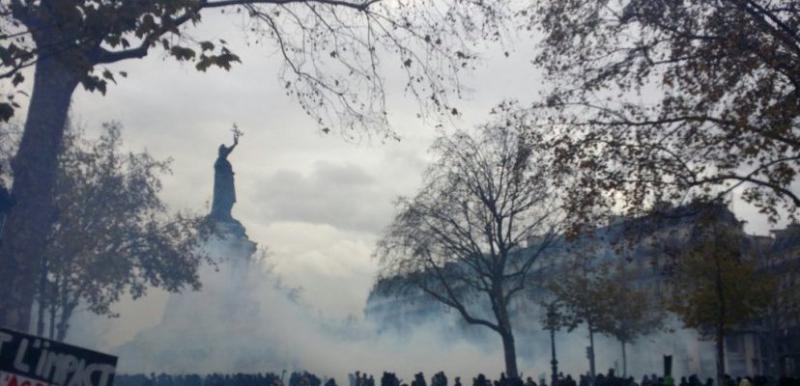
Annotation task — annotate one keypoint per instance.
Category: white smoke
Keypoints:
(245, 320)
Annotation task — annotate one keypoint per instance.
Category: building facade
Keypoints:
(768, 345)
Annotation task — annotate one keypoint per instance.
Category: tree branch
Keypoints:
(104, 56)
(227, 3)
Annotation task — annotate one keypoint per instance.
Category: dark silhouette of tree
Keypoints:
(672, 101)
(113, 236)
(470, 236)
(633, 311)
(583, 291)
(604, 296)
(716, 286)
(332, 51)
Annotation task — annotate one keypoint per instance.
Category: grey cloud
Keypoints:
(342, 196)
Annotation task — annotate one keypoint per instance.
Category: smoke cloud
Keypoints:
(246, 320)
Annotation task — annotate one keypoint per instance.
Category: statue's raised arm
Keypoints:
(236, 134)
(224, 151)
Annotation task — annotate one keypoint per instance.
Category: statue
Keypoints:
(224, 190)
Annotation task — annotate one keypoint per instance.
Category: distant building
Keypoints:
(775, 338)
(656, 240)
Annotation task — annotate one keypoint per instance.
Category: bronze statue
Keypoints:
(224, 189)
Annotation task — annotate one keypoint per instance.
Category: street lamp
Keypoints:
(552, 325)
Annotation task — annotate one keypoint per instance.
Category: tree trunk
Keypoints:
(721, 319)
(53, 296)
(61, 328)
(67, 307)
(590, 354)
(63, 323)
(40, 318)
(34, 167)
(553, 360)
(624, 360)
(720, 345)
(500, 309)
(52, 326)
(42, 292)
(510, 354)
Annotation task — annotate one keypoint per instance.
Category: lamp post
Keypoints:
(553, 325)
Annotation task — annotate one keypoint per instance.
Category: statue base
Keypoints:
(230, 235)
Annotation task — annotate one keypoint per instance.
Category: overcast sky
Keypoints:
(316, 201)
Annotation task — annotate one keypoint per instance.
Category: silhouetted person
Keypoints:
(568, 381)
(439, 379)
(419, 380)
(389, 379)
(224, 190)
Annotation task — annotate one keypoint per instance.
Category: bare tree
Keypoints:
(469, 238)
(332, 51)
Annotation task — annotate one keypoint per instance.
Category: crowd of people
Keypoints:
(359, 378)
